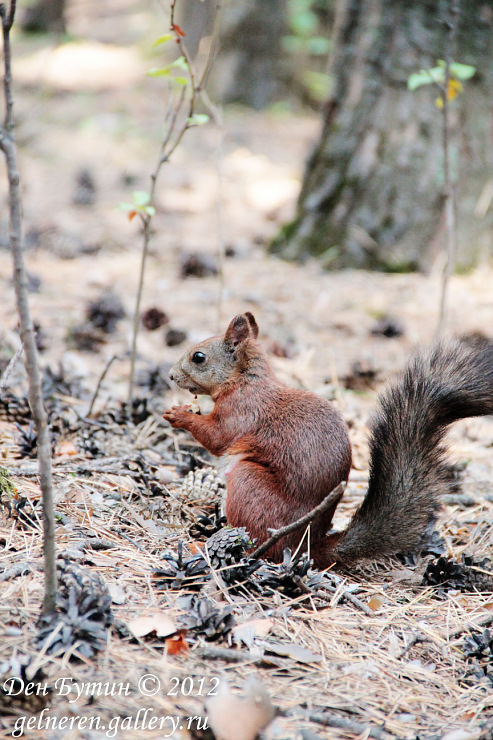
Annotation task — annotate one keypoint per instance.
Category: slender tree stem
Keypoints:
(449, 190)
(175, 130)
(7, 145)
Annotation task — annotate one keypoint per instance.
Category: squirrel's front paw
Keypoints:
(178, 416)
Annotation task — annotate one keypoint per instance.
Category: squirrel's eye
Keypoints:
(198, 358)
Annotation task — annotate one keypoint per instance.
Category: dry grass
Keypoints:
(399, 673)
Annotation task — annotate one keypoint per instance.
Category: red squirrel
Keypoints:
(288, 448)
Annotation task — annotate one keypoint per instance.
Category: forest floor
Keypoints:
(396, 667)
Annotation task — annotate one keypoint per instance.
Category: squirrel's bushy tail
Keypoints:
(408, 471)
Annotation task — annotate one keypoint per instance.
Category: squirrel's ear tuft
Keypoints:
(238, 330)
(253, 324)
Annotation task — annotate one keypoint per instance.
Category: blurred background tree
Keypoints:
(269, 51)
(44, 16)
(372, 194)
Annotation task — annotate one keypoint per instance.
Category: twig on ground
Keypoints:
(228, 654)
(465, 499)
(330, 500)
(8, 370)
(484, 622)
(132, 542)
(419, 637)
(347, 595)
(468, 627)
(100, 381)
(329, 719)
(19, 569)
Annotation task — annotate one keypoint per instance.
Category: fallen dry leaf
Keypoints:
(290, 650)
(66, 448)
(462, 735)
(158, 622)
(232, 717)
(177, 644)
(248, 631)
(195, 547)
(165, 475)
(376, 602)
(117, 593)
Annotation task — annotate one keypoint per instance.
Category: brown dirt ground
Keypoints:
(321, 320)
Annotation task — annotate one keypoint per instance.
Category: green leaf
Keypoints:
(162, 40)
(150, 210)
(462, 71)
(303, 24)
(317, 84)
(127, 206)
(180, 63)
(140, 198)
(318, 45)
(198, 119)
(437, 74)
(180, 80)
(426, 77)
(158, 72)
(416, 79)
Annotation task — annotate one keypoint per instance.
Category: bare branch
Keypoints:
(449, 191)
(8, 370)
(177, 125)
(100, 381)
(331, 499)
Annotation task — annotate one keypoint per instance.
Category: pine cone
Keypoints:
(83, 608)
(205, 526)
(203, 485)
(227, 551)
(180, 572)
(478, 649)
(28, 440)
(283, 576)
(13, 408)
(479, 645)
(228, 546)
(205, 618)
(475, 579)
(466, 575)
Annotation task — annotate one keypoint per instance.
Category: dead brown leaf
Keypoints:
(290, 650)
(177, 644)
(158, 622)
(232, 717)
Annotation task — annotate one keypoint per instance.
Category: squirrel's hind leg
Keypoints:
(253, 501)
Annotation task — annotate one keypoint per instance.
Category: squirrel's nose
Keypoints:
(171, 376)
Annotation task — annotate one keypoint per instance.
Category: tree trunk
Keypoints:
(197, 21)
(250, 66)
(44, 16)
(372, 195)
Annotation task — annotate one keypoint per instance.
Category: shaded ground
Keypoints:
(117, 483)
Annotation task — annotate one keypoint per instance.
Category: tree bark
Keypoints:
(44, 16)
(372, 194)
(250, 66)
